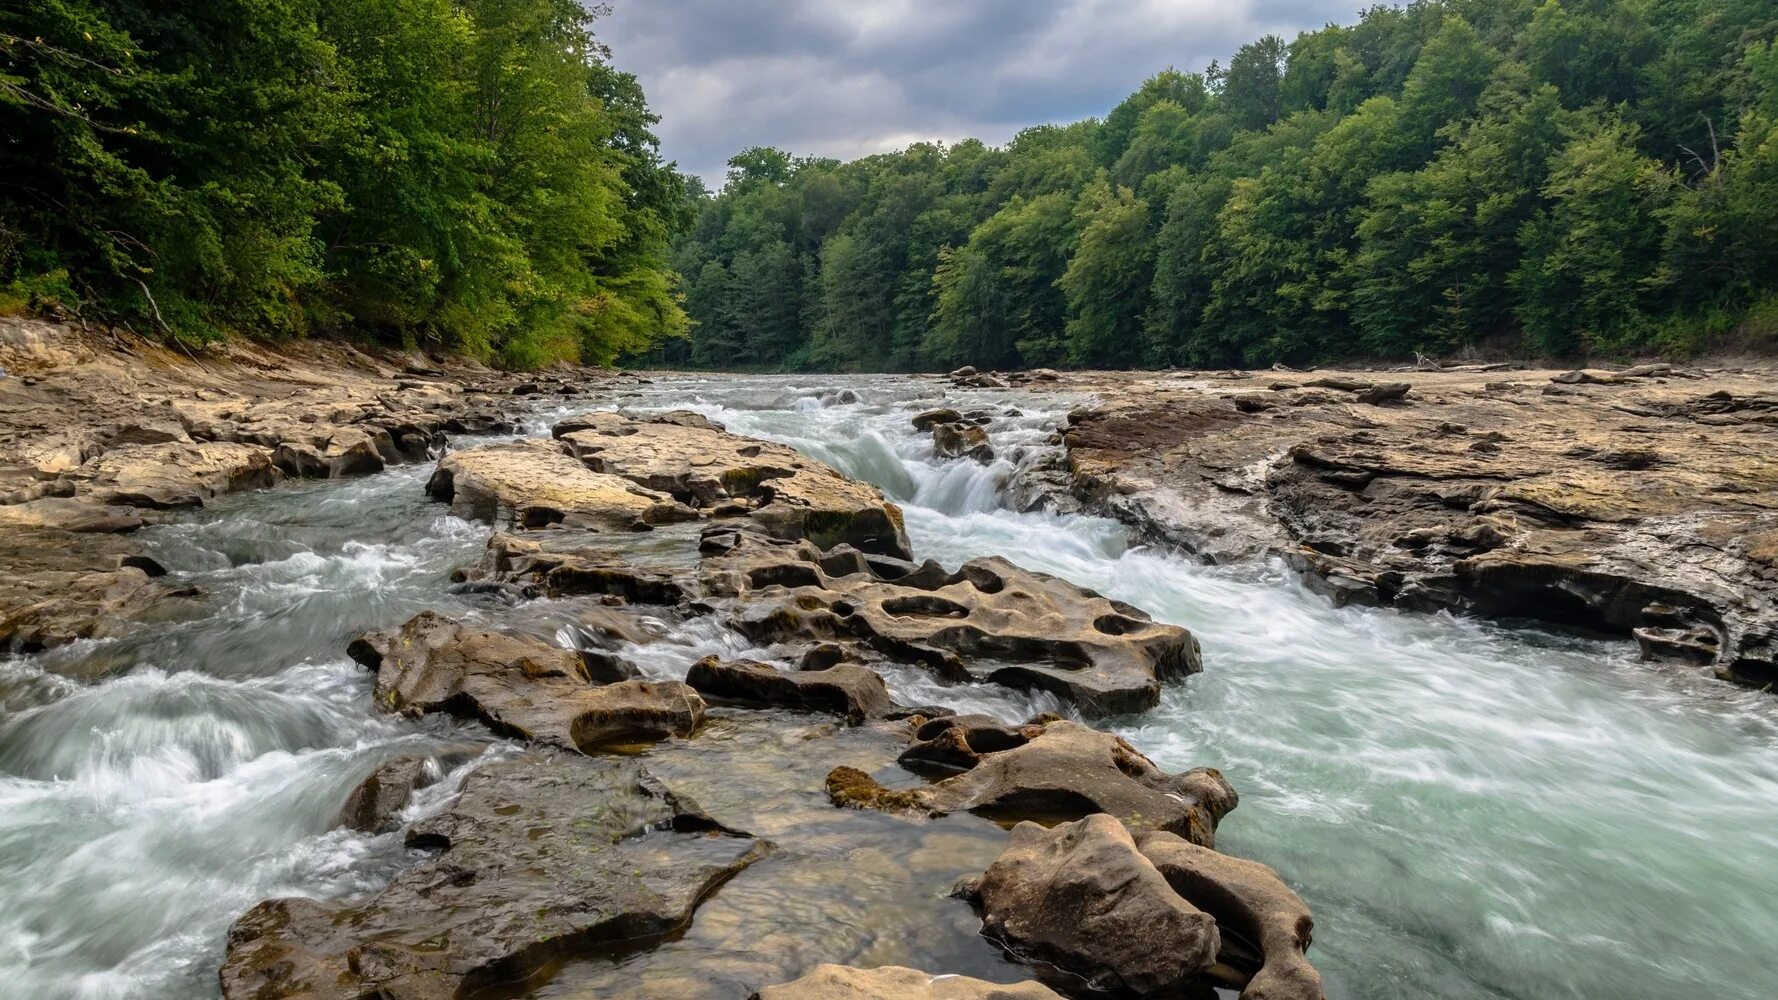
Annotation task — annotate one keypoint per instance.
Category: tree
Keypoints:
(1586, 259)
(1252, 92)
(1107, 280)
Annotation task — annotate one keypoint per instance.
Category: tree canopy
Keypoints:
(1557, 176)
(467, 174)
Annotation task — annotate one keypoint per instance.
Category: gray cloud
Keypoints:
(847, 78)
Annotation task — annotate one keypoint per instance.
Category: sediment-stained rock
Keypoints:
(518, 687)
(1047, 770)
(543, 856)
(892, 982)
(850, 690)
(785, 493)
(1145, 913)
(1638, 502)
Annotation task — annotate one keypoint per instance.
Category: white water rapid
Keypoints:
(1472, 810)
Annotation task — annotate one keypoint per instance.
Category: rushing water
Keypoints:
(1472, 811)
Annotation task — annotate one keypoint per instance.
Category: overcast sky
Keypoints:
(845, 78)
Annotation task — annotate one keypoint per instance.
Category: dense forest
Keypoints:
(1561, 177)
(471, 175)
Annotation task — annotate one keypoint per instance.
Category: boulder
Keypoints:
(1048, 770)
(345, 451)
(960, 441)
(376, 803)
(542, 857)
(1082, 897)
(532, 484)
(1265, 927)
(715, 473)
(518, 687)
(846, 689)
(930, 418)
(1146, 913)
(893, 982)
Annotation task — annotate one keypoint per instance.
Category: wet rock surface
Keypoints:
(1145, 914)
(849, 690)
(571, 853)
(518, 687)
(1046, 770)
(837, 982)
(989, 621)
(542, 855)
(1634, 502)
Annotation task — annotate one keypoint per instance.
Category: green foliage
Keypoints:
(1586, 176)
(472, 175)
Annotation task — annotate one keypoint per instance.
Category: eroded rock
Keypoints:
(1084, 898)
(518, 687)
(533, 483)
(1145, 913)
(1048, 770)
(989, 621)
(1630, 503)
(850, 690)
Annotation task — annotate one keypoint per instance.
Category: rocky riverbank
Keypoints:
(621, 805)
(100, 436)
(1640, 502)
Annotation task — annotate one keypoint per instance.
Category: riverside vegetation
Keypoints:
(1539, 176)
(1554, 177)
(469, 175)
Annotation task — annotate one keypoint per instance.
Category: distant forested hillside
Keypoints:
(1557, 176)
(466, 174)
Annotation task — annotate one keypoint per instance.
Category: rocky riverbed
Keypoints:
(681, 709)
(1640, 502)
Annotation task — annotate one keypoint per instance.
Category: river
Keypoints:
(1472, 810)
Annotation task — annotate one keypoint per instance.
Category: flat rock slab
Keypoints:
(518, 687)
(175, 475)
(894, 982)
(785, 493)
(543, 856)
(1047, 771)
(533, 484)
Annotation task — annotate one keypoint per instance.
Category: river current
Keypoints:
(1472, 810)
